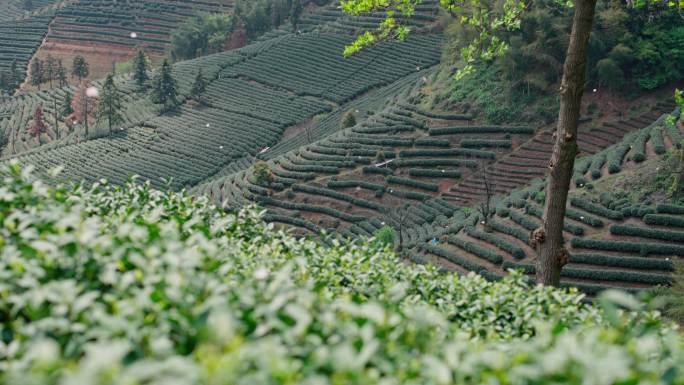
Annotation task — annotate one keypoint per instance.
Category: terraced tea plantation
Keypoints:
(613, 241)
(360, 179)
(106, 23)
(404, 168)
(245, 112)
(12, 10)
(19, 40)
(332, 18)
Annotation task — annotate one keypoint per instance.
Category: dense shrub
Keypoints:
(348, 120)
(629, 247)
(480, 130)
(434, 173)
(510, 230)
(512, 249)
(596, 209)
(338, 195)
(378, 170)
(434, 163)
(639, 146)
(622, 261)
(597, 165)
(664, 220)
(668, 208)
(447, 152)
(355, 183)
(413, 183)
(674, 236)
(480, 143)
(584, 218)
(599, 274)
(129, 285)
(523, 220)
(617, 153)
(430, 142)
(477, 250)
(657, 140)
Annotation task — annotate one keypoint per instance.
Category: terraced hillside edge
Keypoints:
(195, 143)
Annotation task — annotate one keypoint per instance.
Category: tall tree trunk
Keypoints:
(549, 239)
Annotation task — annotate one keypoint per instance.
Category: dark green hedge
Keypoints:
(338, 195)
(447, 153)
(668, 208)
(455, 258)
(584, 218)
(434, 173)
(674, 236)
(664, 220)
(599, 274)
(596, 209)
(481, 143)
(413, 183)
(311, 208)
(510, 230)
(480, 130)
(643, 248)
(657, 141)
(478, 250)
(523, 220)
(430, 142)
(355, 183)
(434, 163)
(512, 249)
(378, 170)
(622, 261)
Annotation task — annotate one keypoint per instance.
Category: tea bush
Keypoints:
(128, 285)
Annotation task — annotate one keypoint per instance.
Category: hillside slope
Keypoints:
(109, 285)
(254, 95)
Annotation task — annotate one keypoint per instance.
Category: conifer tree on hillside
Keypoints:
(37, 73)
(61, 75)
(79, 68)
(38, 125)
(199, 87)
(50, 69)
(14, 71)
(295, 13)
(83, 105)
(140, 69)
(109, 104)
(5, 81)
(165, 88)
(66, 109)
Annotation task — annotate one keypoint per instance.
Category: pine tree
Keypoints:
(165, 88)
(199, 87)
(28, 5)
(5, 81)
(140, 69)
(37, 73)
(83, 104)
(66, 109)
(109, 105)
(80, 68)
(38, 125)
(55, 114)
(14, 70)
(61, 74)
(295, 13)
(50, 69)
